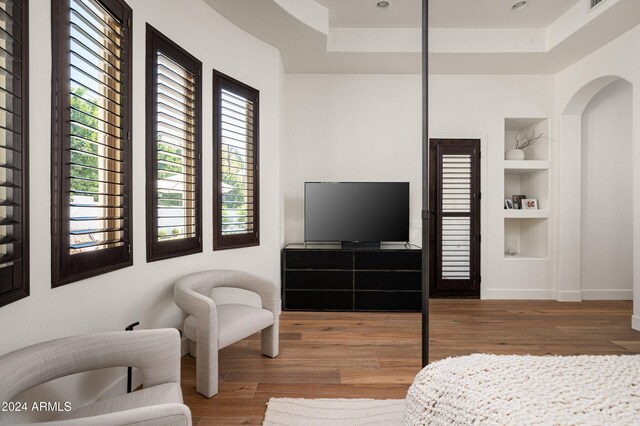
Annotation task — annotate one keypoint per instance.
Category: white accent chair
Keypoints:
(211, 327)
(155, 352)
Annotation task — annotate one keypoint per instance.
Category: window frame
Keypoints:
(223, 242)
(67, 267)
(19, 282)
(160, 250)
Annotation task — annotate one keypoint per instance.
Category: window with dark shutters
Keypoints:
(14, 109)
(236, 202)
(91, 212)
(174, 223)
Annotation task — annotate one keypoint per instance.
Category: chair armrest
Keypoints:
(269, 291)
(199, 284)
(155, 415)
(155, 352)
(193, 303)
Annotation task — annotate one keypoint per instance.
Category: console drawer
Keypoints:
(315, 300)
(389, 261)
(318, 259)
(410, 301)
(384, 280)
(319, 280)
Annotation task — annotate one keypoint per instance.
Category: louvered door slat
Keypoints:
(456, 197)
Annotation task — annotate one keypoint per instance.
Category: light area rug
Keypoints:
(334, 412)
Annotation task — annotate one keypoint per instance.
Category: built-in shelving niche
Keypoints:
(513, 126)
(528, 236)
(526, 232)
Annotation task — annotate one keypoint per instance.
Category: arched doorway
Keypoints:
(607, 194)
(581, 179)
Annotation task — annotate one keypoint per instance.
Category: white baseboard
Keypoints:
(518, 294)
(635, 322)
(569, 296)
(562, 296)
(607, 294)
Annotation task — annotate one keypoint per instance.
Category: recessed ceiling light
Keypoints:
(383, 4)
(519, 6)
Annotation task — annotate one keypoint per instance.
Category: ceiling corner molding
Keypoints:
(308, 41)
(310, 13)
(375, 40)
(485, 40)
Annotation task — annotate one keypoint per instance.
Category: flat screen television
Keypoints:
(356, 212)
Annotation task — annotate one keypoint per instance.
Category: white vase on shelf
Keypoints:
(514, 154)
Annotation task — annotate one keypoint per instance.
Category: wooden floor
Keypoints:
(376, 355)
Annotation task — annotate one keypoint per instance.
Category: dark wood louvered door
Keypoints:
(455, 226)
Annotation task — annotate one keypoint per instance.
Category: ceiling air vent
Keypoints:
(594, 3)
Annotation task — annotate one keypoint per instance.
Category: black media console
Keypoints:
(326, 277)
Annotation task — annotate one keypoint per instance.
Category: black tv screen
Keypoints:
(356, 211)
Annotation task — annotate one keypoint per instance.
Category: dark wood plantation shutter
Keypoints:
(236, 200)
(14, 231)
(455, 198)
(174, 220)
(91, 213)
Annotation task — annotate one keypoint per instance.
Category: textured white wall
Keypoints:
(144, 292)
(607, 195)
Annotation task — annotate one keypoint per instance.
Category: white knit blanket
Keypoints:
(527, 390)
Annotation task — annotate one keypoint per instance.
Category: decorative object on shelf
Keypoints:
(511, 247)
(517, 201)
(529, 204)
(514, 154)
(508, 204)
(524, 139)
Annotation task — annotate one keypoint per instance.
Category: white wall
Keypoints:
(575, 86)
(350, 128)
(476, 106)
(607, 195)
(368, 127)
(144, 292)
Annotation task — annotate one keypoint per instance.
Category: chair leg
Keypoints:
(269, 339)
(207, 368)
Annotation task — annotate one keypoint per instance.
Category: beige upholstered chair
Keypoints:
(211, 327)
(155, 352)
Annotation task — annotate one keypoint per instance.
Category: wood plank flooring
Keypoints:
(377, 355)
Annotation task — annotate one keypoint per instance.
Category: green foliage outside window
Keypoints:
(84, 117)
(167, 171)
